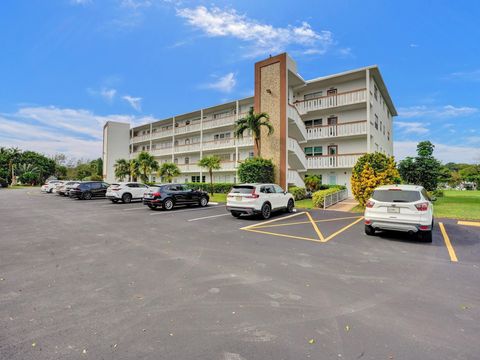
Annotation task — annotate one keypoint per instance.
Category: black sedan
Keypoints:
(88, 190)
(167, 196)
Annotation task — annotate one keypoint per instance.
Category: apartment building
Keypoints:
(322, 126)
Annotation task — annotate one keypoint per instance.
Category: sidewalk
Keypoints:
(345, 205)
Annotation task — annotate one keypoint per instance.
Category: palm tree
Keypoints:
(134, 170)
(27, 173)
(168, 171)
(254, 122)
(122, 169)
(147, 165)
(211, 163)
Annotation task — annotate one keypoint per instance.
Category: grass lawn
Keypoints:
(22, 187)
(304, 204)
(217, 197)
(454, 204)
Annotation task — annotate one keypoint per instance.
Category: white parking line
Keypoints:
(185, 210)
(208, 217)
(134, 208)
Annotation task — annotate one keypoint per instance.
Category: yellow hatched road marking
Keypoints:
(469, 223)
(282, 235)
(306, 222)
(315, 227)
(343, 229)
(448, 244)
(270, 221)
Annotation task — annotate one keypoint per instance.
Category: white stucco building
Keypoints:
(322, 126)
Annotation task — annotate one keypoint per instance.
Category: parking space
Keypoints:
(91, 279)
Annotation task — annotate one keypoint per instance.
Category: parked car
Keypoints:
(259, 199)
(405, 208)
(61, 189)
(57, 186)
(167, 196)
(68, 188)
(126, 191)
(89, 189)
(48, 186)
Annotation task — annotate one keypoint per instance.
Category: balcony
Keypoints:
(218, 122)
(332, 101)
(187, 148)
(338, 130)
(183, 129)
(161, 151)
(246, 141)
(296, 127)
(343, 161)
(161, 134)
(186, 168)
(296, 156)
(224, 166)
(140, 138)
(219, 144)
(294, 178)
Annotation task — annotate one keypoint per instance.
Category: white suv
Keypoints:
(405, 208)
(126, 191)
(49, 186)
(258, 199)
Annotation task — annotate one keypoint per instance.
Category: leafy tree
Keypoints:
(424, 170)
(371, 171)
(312, 182)
(60, 171)
(134, 169)
(122, 169)
(254, 122)
(97, 167)
(27, 173)
(210, 163)
(83, 171)
(147, 165)
(256, 170)
(471, 173)
(168, 171)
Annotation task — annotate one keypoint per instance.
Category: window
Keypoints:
(384, 129)
(187, 122)
(187, 160)
(375, 91)
(251, 154)
(376, 121)
(399, 196)
(196, 178)
(187, 141)
(313, 151)
(381, 126)
(223, 114)
(314, 122)
(278, 189)
(175, 161)
(388, 135)
(313, 95)
(267, 189)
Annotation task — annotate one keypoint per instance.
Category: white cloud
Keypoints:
(80, 2)
(108, 94)
(135, 4)
(413, 45)
(443, 152)
(224, 84)
(412, 127)
(447, 111)
(135, 102)
(472, 75)
(262, 38)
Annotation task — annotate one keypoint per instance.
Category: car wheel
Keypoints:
(290, 205)
(153, 207)
(127, 198)
(370, 231)
(236, 214)
(167, 204)
(114, 201)
(266, 211)
(87, 195)
(425, 236)
(203, 201)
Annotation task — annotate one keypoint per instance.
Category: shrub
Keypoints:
(437, 193)
(312, 183)
(371, 171)
(319, 196)
(223, 188)
(256, 170)
(3, 182)
(299, 193)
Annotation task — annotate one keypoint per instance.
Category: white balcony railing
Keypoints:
(295, 116)
(293, 177)
(187, 147)
(140, 138)
(224, 166)
(294, 148)
(162, 151)
(162, 133)
(218, 144)
(189, 168)
(246, 141)
(182, 129)
(345, 129)
(213, 123)
(332, 161)
(331, 101)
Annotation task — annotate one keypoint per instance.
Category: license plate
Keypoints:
(238, 198)
(393, 210)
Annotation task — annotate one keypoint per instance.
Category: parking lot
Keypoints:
(96, 280)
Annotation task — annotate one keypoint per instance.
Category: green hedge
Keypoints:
(256, 170)
(223, 188)
(319, 196)
(299, 193)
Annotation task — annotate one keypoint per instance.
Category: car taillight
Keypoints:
(370, 204)
(253, 195)
(422, 206)
(115, 189)
(156, 194)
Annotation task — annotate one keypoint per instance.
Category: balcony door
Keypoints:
(332, 97)
(332, 152)
(332, 125)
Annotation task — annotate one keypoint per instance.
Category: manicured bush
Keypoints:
(256, 170)
(222, 188)
(319, 196)
(299, 193)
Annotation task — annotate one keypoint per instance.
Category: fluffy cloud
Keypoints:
(445, 153)
(263, 38)
(447, 111)
(135, 102)
(412, 127)
(224, 83)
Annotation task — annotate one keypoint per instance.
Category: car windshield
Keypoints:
(246, 189)
(396, 196)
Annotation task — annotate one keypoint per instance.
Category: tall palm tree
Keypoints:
(254, 122)
(134, 170)
(211, 163)
(147, 165)
(168, 171)
(122, 169)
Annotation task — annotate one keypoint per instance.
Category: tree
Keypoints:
(168, 171)
(312, 182)
(134, 169)
(424, 170)
(147, 165)
(256, 170)
(27, 173)
(254, 122)
(211, 163)
(122, 169)
(371, 171)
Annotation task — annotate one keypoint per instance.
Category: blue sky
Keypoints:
(67, 66)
